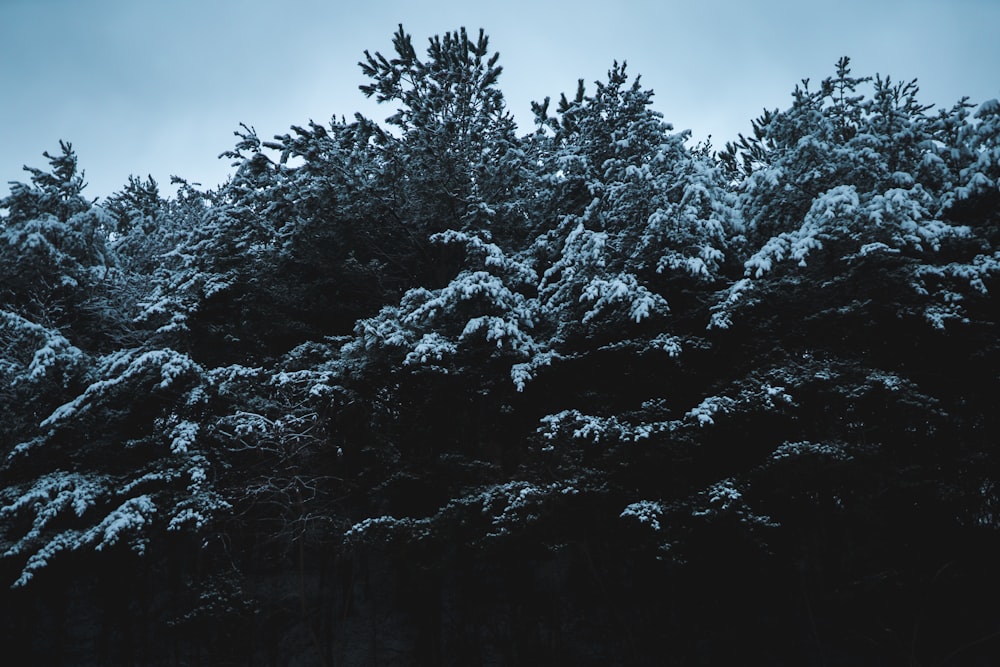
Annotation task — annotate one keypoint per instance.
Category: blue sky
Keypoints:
(143, 87)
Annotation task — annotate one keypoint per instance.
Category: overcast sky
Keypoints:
(143, 87)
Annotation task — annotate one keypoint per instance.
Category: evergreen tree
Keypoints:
(456, 160)
(53, 253)
(590, 395)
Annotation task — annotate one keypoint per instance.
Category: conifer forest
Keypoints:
(435, 390)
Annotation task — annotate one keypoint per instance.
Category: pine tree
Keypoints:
(456, 160)
(534, 394)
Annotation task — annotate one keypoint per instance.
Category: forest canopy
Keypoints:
(429, 391)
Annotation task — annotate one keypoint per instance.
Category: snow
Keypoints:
(128, 519)
(876, 247)
(523, 373)
(597, 429)
(705, 412)
(53, 354)
(726, 498)
(722, 311)
(794, 450)
(646, 512)
(167, 364)
(988, 108)
(432, 347)
(624, 289)
(183, 436)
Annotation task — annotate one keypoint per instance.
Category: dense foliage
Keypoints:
(434, 393)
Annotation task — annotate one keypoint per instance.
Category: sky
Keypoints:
(157, 88)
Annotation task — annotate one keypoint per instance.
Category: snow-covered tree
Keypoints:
(53, 252)
(121, 462)
(453, 161)
(481, 396)
(838, 184)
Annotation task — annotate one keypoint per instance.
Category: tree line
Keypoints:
(431, 392)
